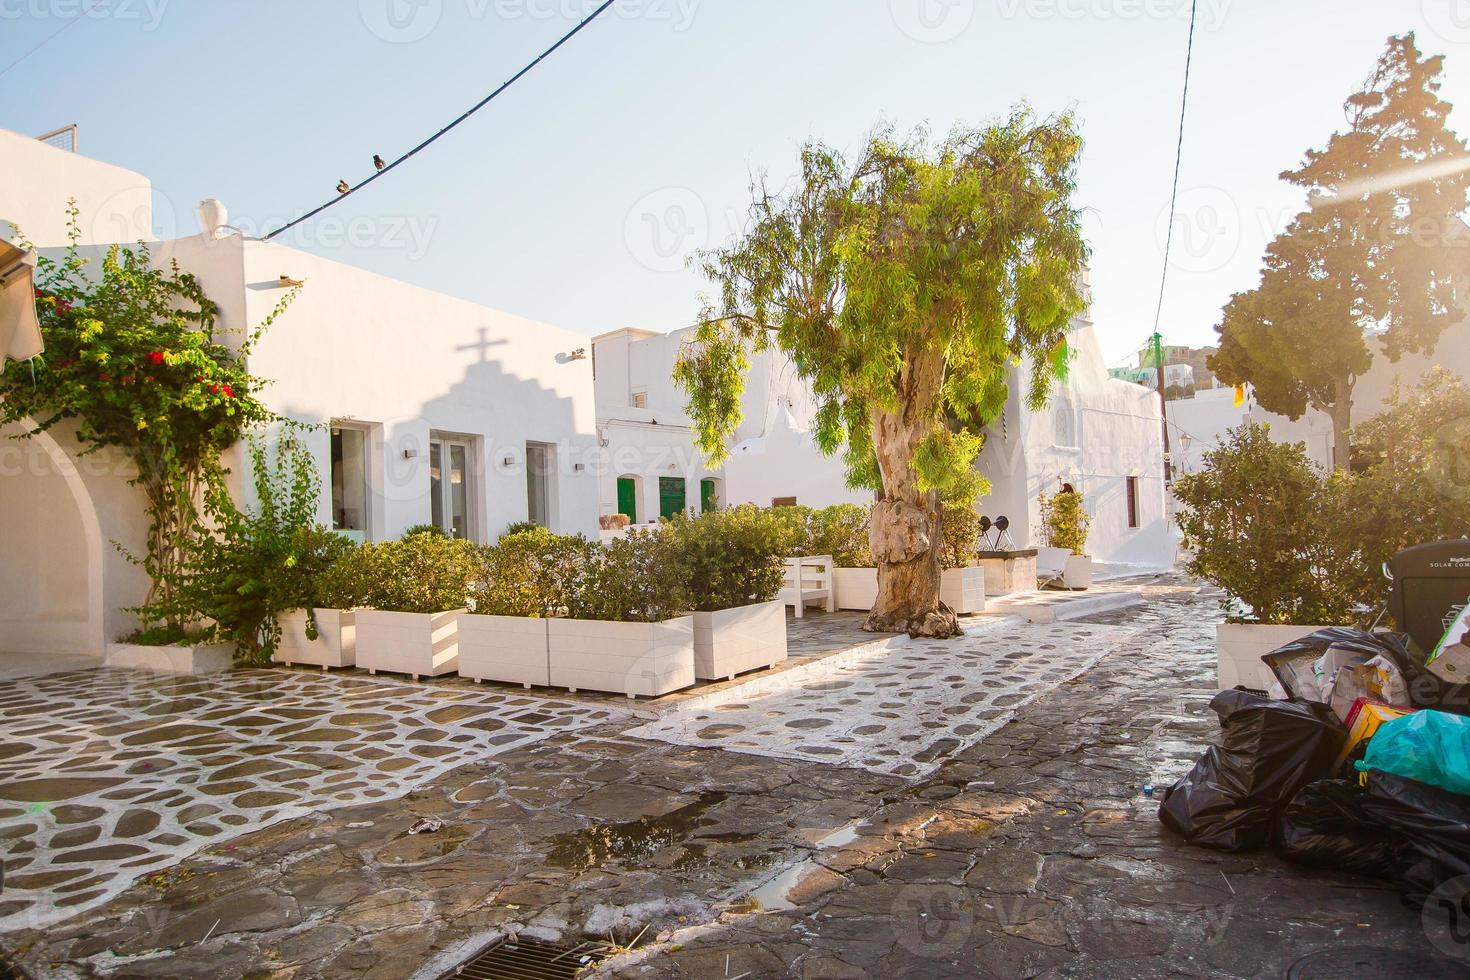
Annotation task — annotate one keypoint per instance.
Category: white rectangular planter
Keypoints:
(335, 645)
(420, 644)
(204, 658)
(962, 589)
(1242, 645)
(1079, 572)
(636, 659)
(732, 641)
(509, 649)
(857, 588)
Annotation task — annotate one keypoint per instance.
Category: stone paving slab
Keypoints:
(108, 775)
(900, 709)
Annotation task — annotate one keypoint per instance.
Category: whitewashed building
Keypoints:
(1101, 435)
(429, 409)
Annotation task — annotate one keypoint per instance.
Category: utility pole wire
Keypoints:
(1158, 339)
(1178, 158)
(461, 118)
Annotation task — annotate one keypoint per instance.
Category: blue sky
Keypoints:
(574, 197)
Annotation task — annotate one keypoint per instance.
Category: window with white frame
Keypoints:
(350, 481)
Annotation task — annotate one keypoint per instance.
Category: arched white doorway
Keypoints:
(51, 551)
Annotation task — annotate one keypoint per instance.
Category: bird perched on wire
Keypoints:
(343, 187)
(378, 163)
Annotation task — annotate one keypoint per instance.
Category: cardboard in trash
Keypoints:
(1363, 721)
(1450, 660)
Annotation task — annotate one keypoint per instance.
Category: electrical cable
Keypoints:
(461, 118)
(1178, 158)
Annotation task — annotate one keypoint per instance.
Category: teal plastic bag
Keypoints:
(1429, 746)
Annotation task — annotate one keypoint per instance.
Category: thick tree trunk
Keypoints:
(1342, 421)
(904, 534)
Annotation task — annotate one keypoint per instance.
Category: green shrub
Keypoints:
(1064, 521)
(842, 532)
(529, 573)
(425, 573)
(730, 557)
(519, 526)
(1259, 520)
(633, 579)
(426, 529)
(252, 567)
(961, 532)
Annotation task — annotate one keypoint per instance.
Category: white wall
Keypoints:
(1095, 433)
(37, 180)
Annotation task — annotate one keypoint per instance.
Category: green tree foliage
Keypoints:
(1290, 544)
(1376, 250)
(133, 363)
(731, 557)
(903, 287)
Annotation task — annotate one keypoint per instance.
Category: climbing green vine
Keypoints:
(132, 361)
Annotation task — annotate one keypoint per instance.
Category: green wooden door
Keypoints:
(707, 499)
(628, 498)
(671, 498)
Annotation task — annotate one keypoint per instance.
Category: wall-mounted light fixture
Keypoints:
(410, 454)
(578, 467)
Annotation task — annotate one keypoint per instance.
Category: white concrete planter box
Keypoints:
(335, 645)
(1242, 645)
(962, 589)
(857, 588)
(636, 659)
(205, 658)
(1078, 574)
(509, 649)
(732, 641)
(419, 644)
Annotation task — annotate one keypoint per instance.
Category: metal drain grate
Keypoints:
(1370, 963)
(528, 959)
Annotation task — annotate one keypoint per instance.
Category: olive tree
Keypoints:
(903, 287)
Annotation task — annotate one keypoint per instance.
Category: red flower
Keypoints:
(229, 392)
(214, 389)
(156, 357)
(62, 306)
(104, 376)
(152, 378)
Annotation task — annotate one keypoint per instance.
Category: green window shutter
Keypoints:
(628, 498)
(707, 499)
(671, 498)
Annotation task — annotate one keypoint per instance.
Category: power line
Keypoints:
(1178, 158)
(53, 35)
(459, 119)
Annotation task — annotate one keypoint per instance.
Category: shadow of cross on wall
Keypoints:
(482, 345)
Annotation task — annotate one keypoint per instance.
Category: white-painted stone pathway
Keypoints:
(900, 708)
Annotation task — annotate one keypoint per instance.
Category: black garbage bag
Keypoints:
(1426, 690)
(1327, 824)
(1232, 798)
(1432, 826)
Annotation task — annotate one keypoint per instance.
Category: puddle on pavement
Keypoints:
(635, 841)
(771, 897)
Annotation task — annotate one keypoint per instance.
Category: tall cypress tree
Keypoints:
(1375, 253)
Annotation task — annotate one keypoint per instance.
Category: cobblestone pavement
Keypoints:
(900, 710)
(107, 775)
(1031, 853)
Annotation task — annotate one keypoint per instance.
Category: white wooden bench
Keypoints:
(808, 580)
(1051, 565)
